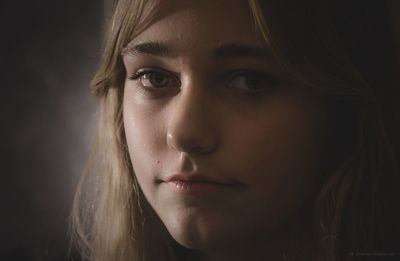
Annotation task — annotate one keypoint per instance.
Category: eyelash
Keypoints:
(268, 81)
(138, 75)
(233, 76)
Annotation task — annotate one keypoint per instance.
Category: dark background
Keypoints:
(49, 52)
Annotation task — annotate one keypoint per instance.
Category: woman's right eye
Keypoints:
(155, 79)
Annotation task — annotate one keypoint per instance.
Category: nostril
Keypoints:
(192, 144)
(200, 150)
(192, 125)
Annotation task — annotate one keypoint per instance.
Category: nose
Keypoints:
(193, 122)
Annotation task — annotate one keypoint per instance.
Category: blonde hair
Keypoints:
(323, 45)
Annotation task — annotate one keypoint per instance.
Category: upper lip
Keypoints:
(196, 177)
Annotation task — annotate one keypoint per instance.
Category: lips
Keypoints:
(198, 178)
(197, 183)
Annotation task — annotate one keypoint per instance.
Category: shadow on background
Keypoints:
(49, 52)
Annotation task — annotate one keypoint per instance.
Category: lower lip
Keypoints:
(193, 187)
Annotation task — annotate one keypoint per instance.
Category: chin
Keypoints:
(189, 241)
(193, 233)
(188, 237)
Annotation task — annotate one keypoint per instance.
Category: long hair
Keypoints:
(344, 49)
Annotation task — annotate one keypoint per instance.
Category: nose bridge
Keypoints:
(191, 126)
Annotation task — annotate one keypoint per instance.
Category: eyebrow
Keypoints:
(233, 50)
(224, 51)
(152, 48)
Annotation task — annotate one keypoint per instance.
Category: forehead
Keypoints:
(189, 25)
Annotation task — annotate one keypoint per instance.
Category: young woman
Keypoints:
(244, 130)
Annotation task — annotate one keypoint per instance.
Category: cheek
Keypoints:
(279, 154)
(144, 138)
(288, 136)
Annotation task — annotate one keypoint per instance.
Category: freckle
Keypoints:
(158, 162)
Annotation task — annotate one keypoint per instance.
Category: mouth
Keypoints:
(194, 184)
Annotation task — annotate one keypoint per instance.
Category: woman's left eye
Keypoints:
(252, 82)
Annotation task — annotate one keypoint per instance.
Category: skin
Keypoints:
(203, 118)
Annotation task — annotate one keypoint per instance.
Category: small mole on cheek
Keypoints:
(158, 162)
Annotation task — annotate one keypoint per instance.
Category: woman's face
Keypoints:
(225, 148)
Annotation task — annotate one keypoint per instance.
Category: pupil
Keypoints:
(254, 83)
(158, 79)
